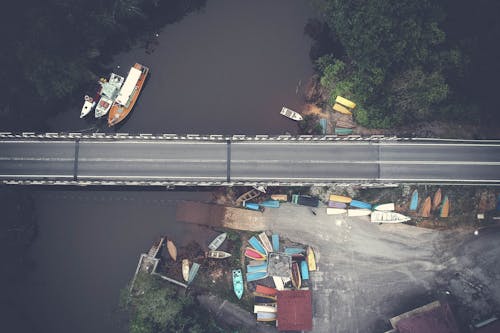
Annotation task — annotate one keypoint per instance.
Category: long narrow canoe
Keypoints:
(238, 283)
(265, 242)
(260, 268)
(254, 254)
(296, 279)
(335, 211)
(185, 269)
(192, 272)
(311, 259)
(360, 204)
(388, 217)
(344, 101)
(414, 201)
(335, 204)
(445, 207)
(278, 283)
(214, 245)
(264, 308)
(265, 290)
(358, 212)
(276, 242)
(256, 276)
(436, 201)
(172, 250)
(340, 198)
(304, 270)
(266, 316)
(256, 244)
(387, 207)
(426, 207)
(270, 204)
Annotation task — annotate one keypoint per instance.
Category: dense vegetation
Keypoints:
(156, 306)
(50, 49)
(405, 61)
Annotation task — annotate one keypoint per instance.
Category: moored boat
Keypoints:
(290, 114)
(296, 279)
(256, 244)
(304, 270)
(128, 94)
(276, 242)
(340, 198)
(257, 268)
(388, 217)
(266, 316)
(335, 204)
(342, 109)
(88, 105)
(265, 242)
(192, 272)
(278, 283)
(270, 203)
(214, 245)
(445, 207)
(218, 254)
(109, 92)
(294, 250)
(387, 207)
(414, 200)
(254, 254)
(358, 212)
(265, 290)
(172, 250)
(256, 276)
(436, 201)
(335, 211)
(185, 269)
(238, 283)
(425, 211)
(342, 131)
(345, 102)
(311, 259)
(360, 204)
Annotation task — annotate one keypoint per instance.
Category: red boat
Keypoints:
(254, 254)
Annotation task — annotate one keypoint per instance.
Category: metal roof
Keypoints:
(437, 320)
(294, 310)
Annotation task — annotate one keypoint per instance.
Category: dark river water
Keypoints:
(226, 70)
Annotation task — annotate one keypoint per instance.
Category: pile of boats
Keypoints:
(117, 96)
(438, 205)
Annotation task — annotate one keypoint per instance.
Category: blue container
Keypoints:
(271, 204)
(252, 206)
(360, 204)
(304, 270)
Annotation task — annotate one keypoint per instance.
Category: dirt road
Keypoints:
(370, 272)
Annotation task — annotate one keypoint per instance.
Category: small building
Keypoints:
(294, 310)
(279, 264)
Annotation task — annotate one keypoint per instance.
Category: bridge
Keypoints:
(217, 160)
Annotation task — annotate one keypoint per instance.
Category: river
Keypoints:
(225, 70)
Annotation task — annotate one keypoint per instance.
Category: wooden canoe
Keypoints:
(265, 290)
(340, 198)
(296, 279)
(185, 269)
(436, 201)
(311, 259)
(214, 245)
(265, 242)
(218, 254)
(426, 207)
(172, 250)
(445, 207)
(254, 254)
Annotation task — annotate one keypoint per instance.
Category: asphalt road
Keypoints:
(250, 161)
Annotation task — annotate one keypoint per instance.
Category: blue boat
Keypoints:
(257, 245)
(192, 272)
(256, 276)
(271, 204)
(360, 204)
(414, 200)
(257, 268)
(294, 250)
(276, 242)
(498, 202)
(304, 270)
(251, 205)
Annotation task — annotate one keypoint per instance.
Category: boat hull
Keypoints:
(254, 254)
(304, 270)
(445, 207)
(214, 245)
(172, 250)
(340, 198)
(296, 279)
(291, 114)
(358, 212)
(437, 199)
(388, 207)
(256, 276)
(192, 272)
(414, 201)
(311, 259)
(335, 211)
(360, 204)
(388, 217)
(185, 269)
(238, 283)
(426, 207)
(276, 242)
(218, 254)
(265, 242)
(256, 244)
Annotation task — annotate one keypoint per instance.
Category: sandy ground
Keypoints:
(369, 273)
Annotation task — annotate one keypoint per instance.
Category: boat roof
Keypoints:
(109, 90)
(128, 86)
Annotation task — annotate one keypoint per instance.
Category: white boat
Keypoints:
(109, 92)
(388, 217)
(290, 114)
(335, 211)
(264, 308)
(388, 207)
(214, 245)
(278, 283)
(265, 242)
(358, 212)
(88, 105)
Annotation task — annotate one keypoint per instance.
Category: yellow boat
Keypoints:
(340, 198)
(172, 250)
(426, 207)
(279, 197)
(185, 269)
(311, 259)
(341, 109)
(345, 102)
(445, 207)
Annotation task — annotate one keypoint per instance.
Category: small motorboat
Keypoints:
(185, 269)
(290, 114)
(214, 245)
(254, 254)
(88, 106)
(238, 283)
(218, 254)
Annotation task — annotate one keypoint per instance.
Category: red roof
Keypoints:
(436, 320)
(294, 310)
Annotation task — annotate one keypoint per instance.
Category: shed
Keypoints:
(294, 310)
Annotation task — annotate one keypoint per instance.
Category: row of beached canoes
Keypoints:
(438, 204)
